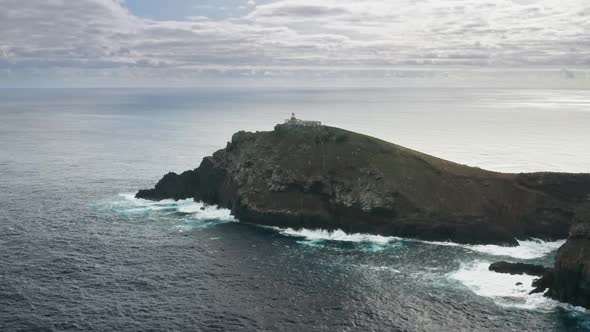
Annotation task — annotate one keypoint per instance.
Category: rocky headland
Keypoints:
(569, 279)
(330, 178)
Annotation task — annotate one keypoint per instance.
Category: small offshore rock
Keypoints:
(518, 268)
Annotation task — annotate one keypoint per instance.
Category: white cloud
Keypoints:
(350, 34)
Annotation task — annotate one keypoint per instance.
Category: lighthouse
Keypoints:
(293, 121)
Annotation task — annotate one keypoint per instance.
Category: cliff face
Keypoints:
(570, 279)
(324, 177)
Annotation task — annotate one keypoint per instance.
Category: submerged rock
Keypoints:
(329, 178)
(518, 268)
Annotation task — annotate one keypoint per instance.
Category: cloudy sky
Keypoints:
(151, 42)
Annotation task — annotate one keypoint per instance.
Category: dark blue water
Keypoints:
(78, 253)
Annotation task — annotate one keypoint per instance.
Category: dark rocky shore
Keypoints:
(569, 279)
(329, 178)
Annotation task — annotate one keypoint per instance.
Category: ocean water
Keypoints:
(78, 252)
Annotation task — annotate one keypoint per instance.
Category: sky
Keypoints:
(201, 42)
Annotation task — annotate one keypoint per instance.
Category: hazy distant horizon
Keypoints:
(509, 130)
(546, 79)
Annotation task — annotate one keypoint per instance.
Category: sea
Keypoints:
(79, 253)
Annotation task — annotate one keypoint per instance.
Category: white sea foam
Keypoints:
(202, 211)
(130, 198)
(502, 288)
(198, 210)
(525, 250)
(528, 249)
(337, 235)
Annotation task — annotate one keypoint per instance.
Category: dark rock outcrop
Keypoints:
(329, 178)
(541, 284)
(570, 279)
(518, 268)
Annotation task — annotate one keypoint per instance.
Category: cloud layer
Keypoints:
(289, 35)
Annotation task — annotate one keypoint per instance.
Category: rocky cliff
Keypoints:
(329, 178)
(569, 281)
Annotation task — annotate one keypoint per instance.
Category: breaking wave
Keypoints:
(529, 249)
(319, 237)
(504, 289)
(510, 291)
(197, 210)
(337, 235)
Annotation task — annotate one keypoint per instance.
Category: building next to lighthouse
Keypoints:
(293, 121)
